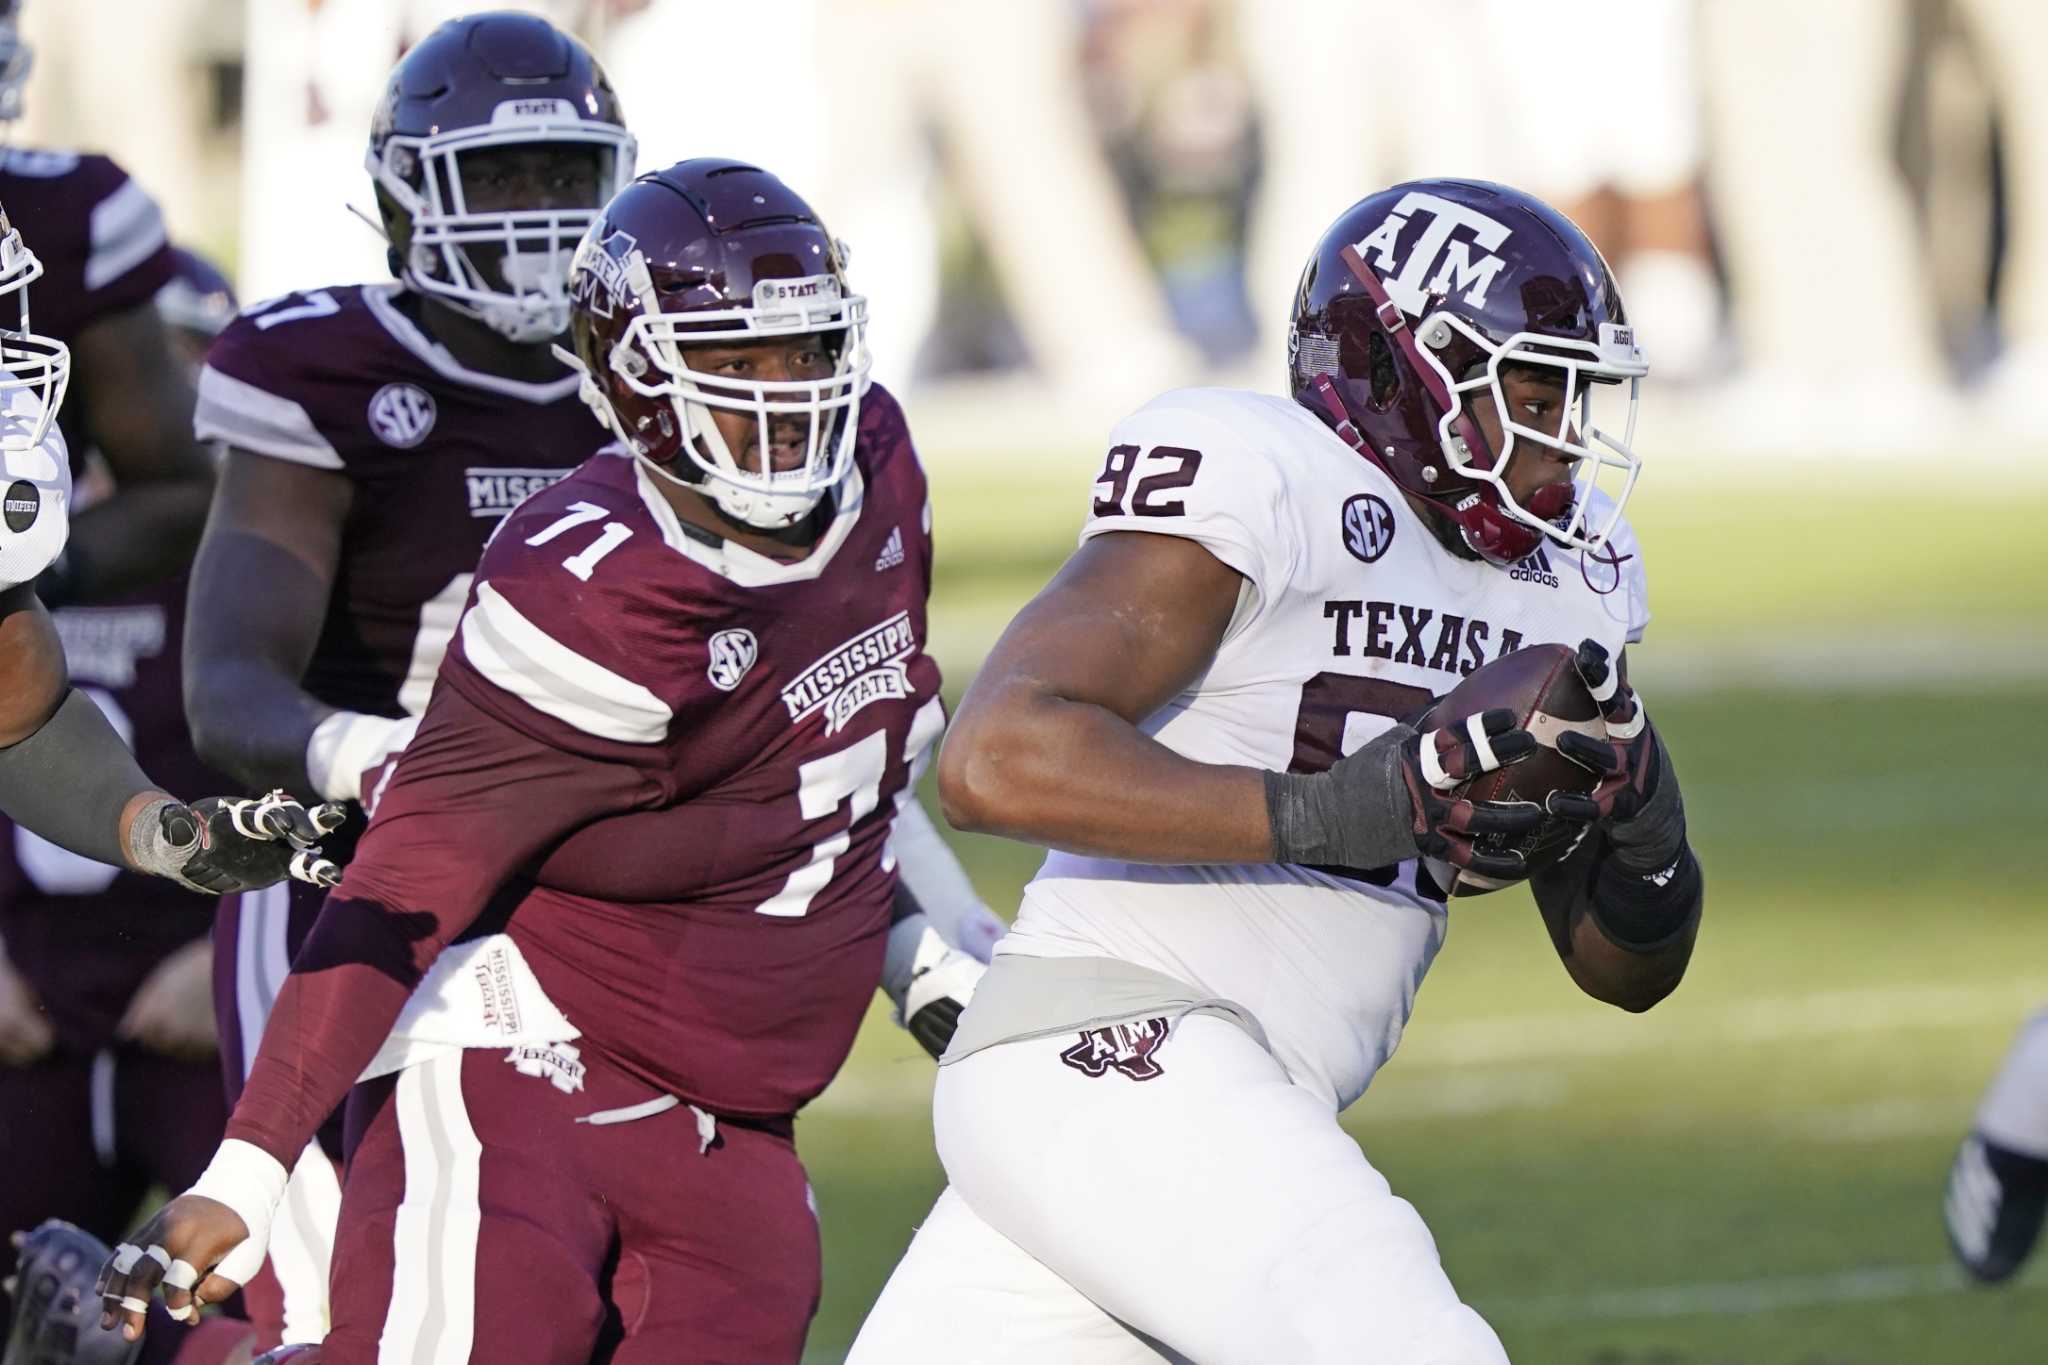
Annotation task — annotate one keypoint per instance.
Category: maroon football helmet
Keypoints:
(718, 252)
(1418, 297)
(477, 83)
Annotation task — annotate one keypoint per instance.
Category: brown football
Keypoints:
(1538, 684)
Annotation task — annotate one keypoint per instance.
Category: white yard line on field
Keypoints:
(1730, 1298)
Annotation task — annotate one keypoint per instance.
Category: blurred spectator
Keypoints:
(1832, 303)
(1172, 105)
(2013, 42)
(996, 85)
(1620, 153)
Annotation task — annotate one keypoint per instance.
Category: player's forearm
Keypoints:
(249, 715)
(75, 783)
(1625, 938)
(252, 723)
(1030, 765)
(335, 1010)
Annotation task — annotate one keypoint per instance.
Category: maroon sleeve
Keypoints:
(460, 818)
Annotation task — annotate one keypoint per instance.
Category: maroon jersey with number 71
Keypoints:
(667, 767)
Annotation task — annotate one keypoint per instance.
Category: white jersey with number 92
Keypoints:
(1352, 616)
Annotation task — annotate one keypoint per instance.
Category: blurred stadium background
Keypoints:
(1831, 219)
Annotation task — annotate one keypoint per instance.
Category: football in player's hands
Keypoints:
(1549, 698)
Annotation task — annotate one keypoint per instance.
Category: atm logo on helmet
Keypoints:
(1437, 262)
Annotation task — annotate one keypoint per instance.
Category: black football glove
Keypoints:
(1636, 804)
(1626, 761)
(1438, 762)
(1395, 798)
(225, 844)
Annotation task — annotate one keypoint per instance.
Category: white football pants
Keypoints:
(1213, 1213)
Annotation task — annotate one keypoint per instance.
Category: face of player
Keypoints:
(528, 179)
(773, 360)
(541, 176)
(1536, 398)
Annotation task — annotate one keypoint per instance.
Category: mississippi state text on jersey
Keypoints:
(666, 766)
(1354, 616)
(343, 379)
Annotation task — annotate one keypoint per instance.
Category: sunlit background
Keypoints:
(1830, 221)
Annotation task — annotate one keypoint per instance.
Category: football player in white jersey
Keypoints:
(1211, 716)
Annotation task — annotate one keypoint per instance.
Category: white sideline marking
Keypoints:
(1742, 1297)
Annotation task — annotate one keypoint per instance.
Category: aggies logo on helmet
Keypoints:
(1410, 282)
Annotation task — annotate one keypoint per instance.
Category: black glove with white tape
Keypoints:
(225, 844)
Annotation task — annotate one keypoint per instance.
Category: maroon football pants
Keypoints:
(482, 1221)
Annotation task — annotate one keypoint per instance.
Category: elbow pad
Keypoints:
(1644, 911)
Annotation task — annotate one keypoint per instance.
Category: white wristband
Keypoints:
(348, 744)
(250, 1181)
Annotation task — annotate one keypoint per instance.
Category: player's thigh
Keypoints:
(963, 1292)
(465, 1232)
(1215, 1206)
(718, 1244)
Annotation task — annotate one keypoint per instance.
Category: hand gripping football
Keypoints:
(1549, 698)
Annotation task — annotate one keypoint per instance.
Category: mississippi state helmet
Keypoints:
(714, 252)
(293, 1354)
(476, 84)
(1417, 299)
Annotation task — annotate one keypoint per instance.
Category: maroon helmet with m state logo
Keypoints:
(1415, 301)
(720, 253)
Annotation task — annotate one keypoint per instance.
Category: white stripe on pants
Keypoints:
(1215, 1212)
(432, 1318)
(302, 1236)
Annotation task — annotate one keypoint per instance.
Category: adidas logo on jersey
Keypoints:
(1535, 569)
(892, 552)
(494, 492)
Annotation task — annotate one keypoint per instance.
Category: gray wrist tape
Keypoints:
(1652, 838)
(1357, 814)
(70, 780)
(154, 849)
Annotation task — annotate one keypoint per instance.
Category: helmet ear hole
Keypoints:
(1383, 377)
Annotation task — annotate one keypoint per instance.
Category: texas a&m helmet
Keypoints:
(1415, 301)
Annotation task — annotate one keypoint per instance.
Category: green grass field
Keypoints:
(1753, 1171)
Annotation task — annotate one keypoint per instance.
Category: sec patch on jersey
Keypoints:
(1548, 697)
